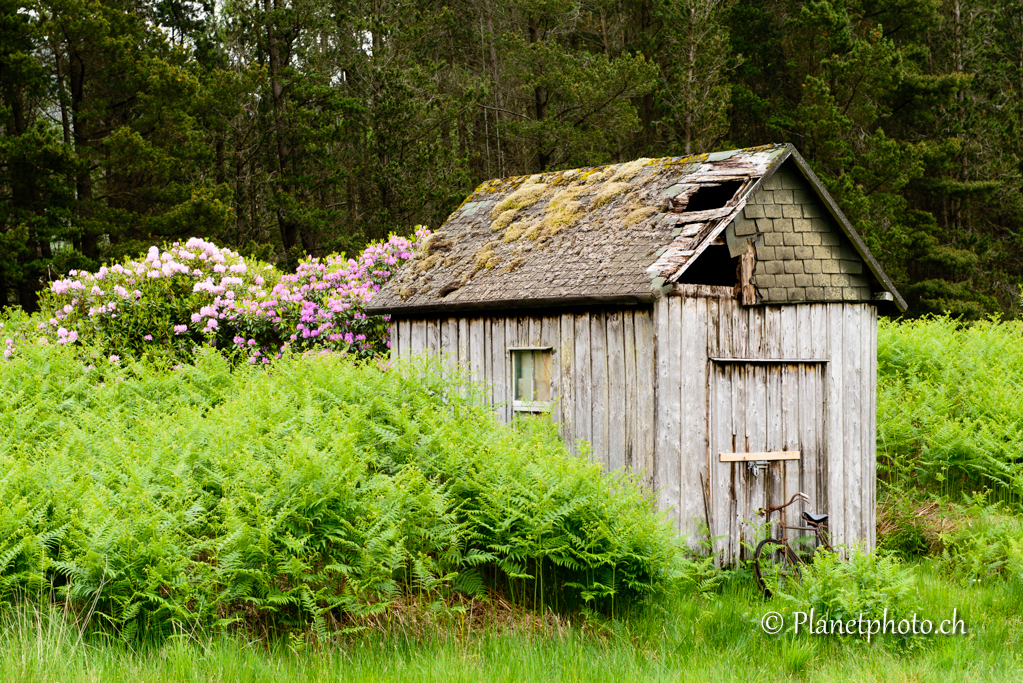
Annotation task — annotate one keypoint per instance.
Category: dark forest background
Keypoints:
(290, 127)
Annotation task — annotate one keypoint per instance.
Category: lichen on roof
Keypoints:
(581, 233)
(526, 195)
(640, 214)
(626, 172)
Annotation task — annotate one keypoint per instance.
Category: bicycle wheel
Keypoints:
(774, 563)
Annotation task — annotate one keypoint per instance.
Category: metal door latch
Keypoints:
(756, 466)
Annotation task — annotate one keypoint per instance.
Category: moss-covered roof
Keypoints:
(608, 234)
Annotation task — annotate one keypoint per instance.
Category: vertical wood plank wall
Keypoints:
(602, 372)
(638, 385)
(690, 331)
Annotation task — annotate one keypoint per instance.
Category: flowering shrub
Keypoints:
(196, 293)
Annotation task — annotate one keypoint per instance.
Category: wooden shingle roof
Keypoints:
(613, 234)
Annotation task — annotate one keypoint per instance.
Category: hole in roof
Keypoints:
(713, 196)
(713, 267)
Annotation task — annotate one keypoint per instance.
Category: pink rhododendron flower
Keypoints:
(319, 306)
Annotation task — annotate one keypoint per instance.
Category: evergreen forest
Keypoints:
(286, 128)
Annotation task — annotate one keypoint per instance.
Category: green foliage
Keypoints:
(987, 545)
(865, 583)
(902, 530)
(796, 655)
(316, 492)
(697, 572)
(305, 128)
(949, 430)
(885, 99)
(578, 101)
(950, 407)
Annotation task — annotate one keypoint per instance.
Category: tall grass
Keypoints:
(681, 637)
(950, 407)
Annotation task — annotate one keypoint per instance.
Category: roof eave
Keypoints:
(534, 303)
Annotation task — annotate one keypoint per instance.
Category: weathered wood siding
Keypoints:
(602, 372)
(644, 389)
(825, 409)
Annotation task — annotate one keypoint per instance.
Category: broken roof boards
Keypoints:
(626, 233)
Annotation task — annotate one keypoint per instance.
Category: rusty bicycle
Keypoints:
(775, 559)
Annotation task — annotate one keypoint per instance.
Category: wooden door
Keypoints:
(765, 407)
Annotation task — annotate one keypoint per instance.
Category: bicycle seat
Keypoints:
(814, 518)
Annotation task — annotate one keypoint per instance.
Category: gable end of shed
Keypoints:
(802, 253)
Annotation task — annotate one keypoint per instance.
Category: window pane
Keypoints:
(523, 361)
(516, 374)
(542, 375)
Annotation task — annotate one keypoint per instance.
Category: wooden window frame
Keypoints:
(516, 353)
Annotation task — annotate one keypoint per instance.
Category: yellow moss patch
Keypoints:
(668, 162)
(438, 241)
(563, 209)
(484, 255)
(567, 212)
(559, 220)
(502, 221)
(527, 195)
(609, 192)
(534, 231)
(450, 260)
(627, 172)
(512, 265)
(594, 176)
(515, 231)
(569, 194)
(487, 186)
(406, 292)
(640, 214)
(552, 230)
(427, 263)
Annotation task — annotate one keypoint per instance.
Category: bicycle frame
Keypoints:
(819, 530)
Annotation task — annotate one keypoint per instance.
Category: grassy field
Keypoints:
(687, 638)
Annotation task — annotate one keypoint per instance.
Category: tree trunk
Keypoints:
(956, 217)
(21, 179)
(498, 93)
(89, 244)
(288, 226)
(539, 100)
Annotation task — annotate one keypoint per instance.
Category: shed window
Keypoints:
(531, 373)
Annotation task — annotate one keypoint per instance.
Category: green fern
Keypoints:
(313, 495)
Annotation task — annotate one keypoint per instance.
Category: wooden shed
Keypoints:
(709, 322)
